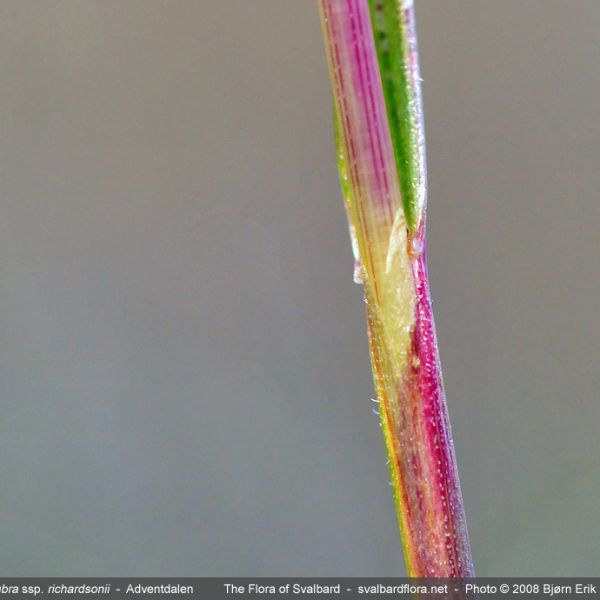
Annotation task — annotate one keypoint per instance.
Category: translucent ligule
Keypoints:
(388, 241)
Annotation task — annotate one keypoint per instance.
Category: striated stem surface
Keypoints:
(372, 53)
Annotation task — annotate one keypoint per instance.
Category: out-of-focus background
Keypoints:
(184, 375)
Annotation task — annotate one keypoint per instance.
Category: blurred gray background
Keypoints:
(184, 371)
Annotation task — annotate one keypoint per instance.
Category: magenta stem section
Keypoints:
(436, 524)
